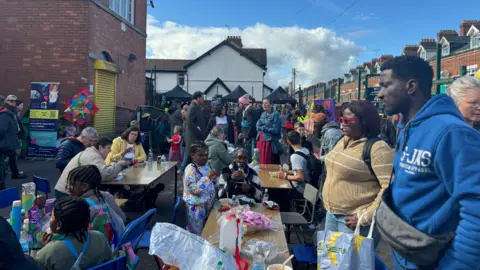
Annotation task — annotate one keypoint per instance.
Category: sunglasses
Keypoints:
(11, 101)
(348, 121)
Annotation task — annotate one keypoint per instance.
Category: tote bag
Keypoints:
(346, 251)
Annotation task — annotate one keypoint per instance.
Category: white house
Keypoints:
(216, 72)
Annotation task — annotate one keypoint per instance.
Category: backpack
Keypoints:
(367, 152)
(314, 166)
(102, 222)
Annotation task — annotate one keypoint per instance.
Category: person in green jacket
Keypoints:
(218, 155)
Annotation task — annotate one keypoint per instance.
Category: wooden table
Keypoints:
(120, 202)
(278, 237)
(148, 176)
(272, 182)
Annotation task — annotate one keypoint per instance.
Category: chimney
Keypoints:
(466, 24)
(446, 34)
(385, 57)
(410, 49)
(237, 40)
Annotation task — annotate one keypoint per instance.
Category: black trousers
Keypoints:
(3, 170)
(12, 160)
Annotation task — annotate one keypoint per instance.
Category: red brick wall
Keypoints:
(453, 63)
(43, 40)
(106, 35)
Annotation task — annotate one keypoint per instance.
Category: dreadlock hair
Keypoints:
(197, 146)
(88, 174)
(73, 216)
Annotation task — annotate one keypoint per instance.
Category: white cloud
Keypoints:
(317, 54)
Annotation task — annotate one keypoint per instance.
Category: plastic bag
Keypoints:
(267, 250)
(252, 221)
(182, 249)
(346, 251)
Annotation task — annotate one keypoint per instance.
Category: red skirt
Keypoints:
(265, 149)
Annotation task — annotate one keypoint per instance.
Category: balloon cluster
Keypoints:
(79, 108)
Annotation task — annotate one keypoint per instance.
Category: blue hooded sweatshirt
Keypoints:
(436, 187)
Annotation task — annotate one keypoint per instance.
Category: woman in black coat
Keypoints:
(220, 118)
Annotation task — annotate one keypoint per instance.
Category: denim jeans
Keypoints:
(336, 223)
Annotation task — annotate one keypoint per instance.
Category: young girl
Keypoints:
(84, 182)
(199, 183)
(175, 144)
(70, 238)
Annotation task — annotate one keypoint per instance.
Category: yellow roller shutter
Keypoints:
(105, 88)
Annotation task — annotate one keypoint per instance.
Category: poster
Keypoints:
(329, 107)
(43, 119)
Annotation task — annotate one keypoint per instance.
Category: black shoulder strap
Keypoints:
(367, 152)
(306, 157)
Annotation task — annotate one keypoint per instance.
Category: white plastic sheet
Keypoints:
(180, 248)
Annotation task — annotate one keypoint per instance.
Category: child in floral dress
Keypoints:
(199, 183)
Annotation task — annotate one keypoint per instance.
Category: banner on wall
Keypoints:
(329, 106)
(43, 119)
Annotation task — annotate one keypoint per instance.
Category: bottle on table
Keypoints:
(265, 196)
(24, 236)
(163, 159)
(235, 201)
(150, 156)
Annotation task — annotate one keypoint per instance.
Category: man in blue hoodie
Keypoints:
(436, 188)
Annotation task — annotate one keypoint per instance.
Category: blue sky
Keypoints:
(380, 27)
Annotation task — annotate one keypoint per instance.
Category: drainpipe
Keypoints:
(438, 68)
(324, 90)
(366, 85)
(339, 82)
(359, 84)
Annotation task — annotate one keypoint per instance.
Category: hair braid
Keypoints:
(88, 174)
(73, 216)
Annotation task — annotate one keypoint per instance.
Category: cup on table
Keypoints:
(278, 266)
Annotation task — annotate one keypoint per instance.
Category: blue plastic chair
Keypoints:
(379, 264)
(119, 263)
(8, 196)
(42, 185)
(145, 241)
(304, 254)
(134, 232)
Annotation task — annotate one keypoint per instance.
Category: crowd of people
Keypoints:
(413, 172)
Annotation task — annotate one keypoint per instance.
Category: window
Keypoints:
(124, 8)
(423, 55)
(105, 56)
(475, 41)
(445, 49)
(181, 79)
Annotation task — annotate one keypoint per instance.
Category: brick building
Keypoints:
(457, 49)
(95, 44)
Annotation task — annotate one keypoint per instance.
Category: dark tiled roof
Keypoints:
(457, 42)
(167, 64)
(268, 88)
(428, 44)
(219, 81)
(259, 55)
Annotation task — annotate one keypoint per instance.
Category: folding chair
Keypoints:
(8, 196)
(42, 185)
(119, 263)
(298, 219)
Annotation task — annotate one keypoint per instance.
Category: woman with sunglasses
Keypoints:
(351, 189)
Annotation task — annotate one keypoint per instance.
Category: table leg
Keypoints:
(176, 179)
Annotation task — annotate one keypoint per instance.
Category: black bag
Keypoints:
(277, 148)
(412, 244)
(314, 166)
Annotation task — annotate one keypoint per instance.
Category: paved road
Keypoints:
(164, 205)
